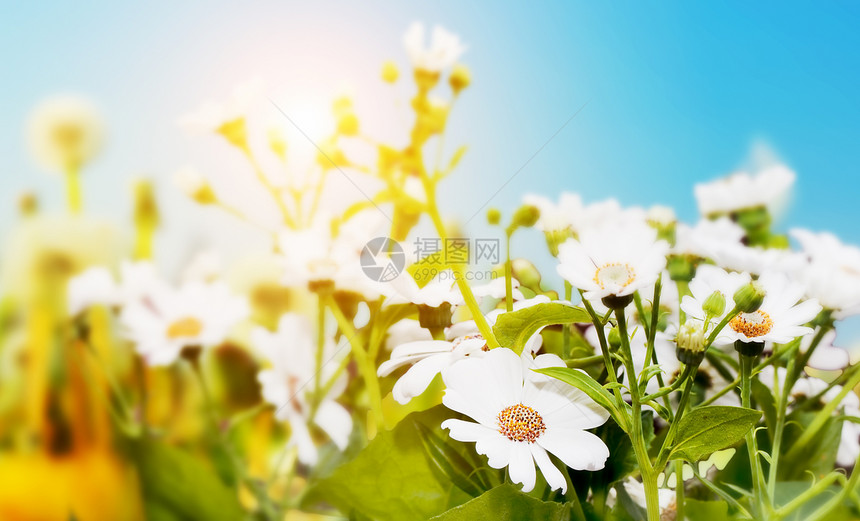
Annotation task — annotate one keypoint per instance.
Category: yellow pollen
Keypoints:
(753, 324)
(521, 423)
(614, 273)
(459, 340)
(184, 327)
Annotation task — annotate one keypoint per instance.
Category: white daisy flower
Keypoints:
(405, 331)
(661, 216)
(833, 273)
(826, 357)
(315, 254)
(708, 280)
(636, 490)
(441, 289)
(431, 357)
(65, 132)
(168, 320)
(556, 217)
(522, 415)
(290, 382)
(613, 259)
(707, 238)
(445, 48)
(94, 286)
(741, 191)
(780, 318)
(756, 260)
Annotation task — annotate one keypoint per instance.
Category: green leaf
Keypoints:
(450, 462)
(392, 478)
(176, 486)
(513, 329)
(589, 386)
(710, 510)
(506, 503)
(705, 430)
(788, 490)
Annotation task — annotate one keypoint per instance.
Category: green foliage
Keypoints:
(589, 386)
(178, 487)
(393, 477)
(707, 429)
(507, 503)
(710, 510)
(515, 328)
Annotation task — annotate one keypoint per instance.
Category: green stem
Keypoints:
(760, 492)
(321, 304)
(565, 335)
(73, 189)
(276, 196)
(509, 302)
(648, 472)
(465, 290)
(365, 365)
(679, 490)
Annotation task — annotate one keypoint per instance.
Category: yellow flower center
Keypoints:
(753, 324)
(459, 340)
(614, 273)
(521, 423)
(184, 327)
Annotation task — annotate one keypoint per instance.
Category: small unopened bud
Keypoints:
(715, 304)
(614, 338)
(347, 124)
(460, 78)
(749, 297)
(751, 349)
(278, 143)
(525, 272)
(494, 215)
(691, 343)
(525, 216)
(681, 268)
(390, 72)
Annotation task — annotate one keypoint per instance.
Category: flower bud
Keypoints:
(749, 297)
(752, 349)
(525, 216)
(145, 206)
(28, 204)
(691, 343)
(494, 215)
(430, 317)
(460, 78)
(681, 268)
(715, 304)
(390, 72)
(278, 143)
(614, 338)
(525, 272)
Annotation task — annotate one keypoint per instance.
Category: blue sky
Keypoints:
(676, 93)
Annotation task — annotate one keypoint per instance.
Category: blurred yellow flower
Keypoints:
(64, 132)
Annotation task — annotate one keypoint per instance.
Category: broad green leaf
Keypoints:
(506, 503)
(176, 486)
(705, 430)
(392, 478)
(710, 510)
(589, 386)
(513, 329)
(451, 462)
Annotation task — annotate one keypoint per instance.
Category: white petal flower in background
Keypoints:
(521, 416)
(442, 288)
(707, 238)
(832, 274)
(194, 315)
(556, 217)
(780, 318)
(212, 115)
(431, 357)
(64, 132)
(741, 191)
(444, 50)
(291, 380)
(94, 286)
(405, 331)
(826, 357)
(617, 258)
